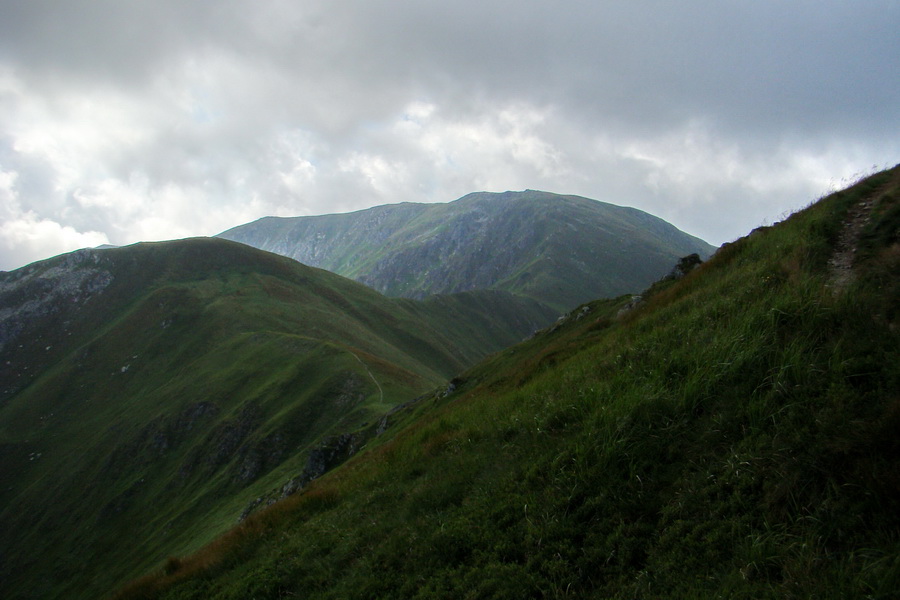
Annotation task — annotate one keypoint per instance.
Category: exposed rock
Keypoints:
(260, 457)
(383, 424)
(685, 265)
(252, 506)
(336, 450)
(331, 453)
(631, 305)
(563, 319)
(37, 291)
(157, 438)
(451, 387)
(322, 458)
(223, 441)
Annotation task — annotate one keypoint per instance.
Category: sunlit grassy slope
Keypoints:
(138, 420)
(733, 435)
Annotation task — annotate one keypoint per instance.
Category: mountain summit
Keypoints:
(559, 250)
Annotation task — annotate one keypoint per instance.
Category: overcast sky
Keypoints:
(160, 119)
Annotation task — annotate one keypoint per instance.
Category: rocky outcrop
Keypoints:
(39, 308)
(257, 458)
(685, 265)
(158, 438)
(336, 450)
(222, 442)
(40, 290)
(324, 457)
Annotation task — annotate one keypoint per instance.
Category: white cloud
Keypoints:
(28, 238)
(24, 237)
(167, 119)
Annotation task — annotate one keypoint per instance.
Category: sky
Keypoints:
(161, 119)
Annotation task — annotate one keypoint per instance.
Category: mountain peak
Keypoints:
(556, 249)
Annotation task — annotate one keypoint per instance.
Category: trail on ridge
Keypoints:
(380, 391)
(841, 262)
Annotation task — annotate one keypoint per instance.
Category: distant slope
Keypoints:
(559, 250)
(149, 393)
(732, 435)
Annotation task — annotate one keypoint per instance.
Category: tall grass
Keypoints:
(732, 436)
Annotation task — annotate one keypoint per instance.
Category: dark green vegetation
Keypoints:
(558, 250)
(149, 393)
(734, 434)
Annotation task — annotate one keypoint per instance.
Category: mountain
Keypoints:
(558, 250)
(149, 394)
(730, 433)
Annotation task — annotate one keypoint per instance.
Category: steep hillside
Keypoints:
(559, 250)
(732, 433)
(148, 394)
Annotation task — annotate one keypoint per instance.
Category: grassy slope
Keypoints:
(735, 435)
(196, 381)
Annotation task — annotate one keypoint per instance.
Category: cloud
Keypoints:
(152, 120)
(23, 234)
(29, 236)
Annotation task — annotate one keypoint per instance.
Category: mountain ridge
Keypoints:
(730, 433)
(149, 393)
(561, 250)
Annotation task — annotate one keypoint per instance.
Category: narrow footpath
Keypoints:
(378, 385)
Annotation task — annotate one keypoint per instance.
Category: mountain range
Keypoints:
(556, 249)
(204, 419)
(731, 433)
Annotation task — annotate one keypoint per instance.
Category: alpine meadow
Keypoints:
(203, 419)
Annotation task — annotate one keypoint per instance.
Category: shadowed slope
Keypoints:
(733, 434)
(148, 393)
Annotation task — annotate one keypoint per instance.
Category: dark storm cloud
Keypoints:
(139, 120)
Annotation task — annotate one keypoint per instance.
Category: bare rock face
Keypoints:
(38, 290)
(38, 305)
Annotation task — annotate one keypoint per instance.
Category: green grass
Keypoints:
(199, 380)
(732, 436)
(556, 250)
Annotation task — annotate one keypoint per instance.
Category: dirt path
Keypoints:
(380, 391)
(841, 263)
